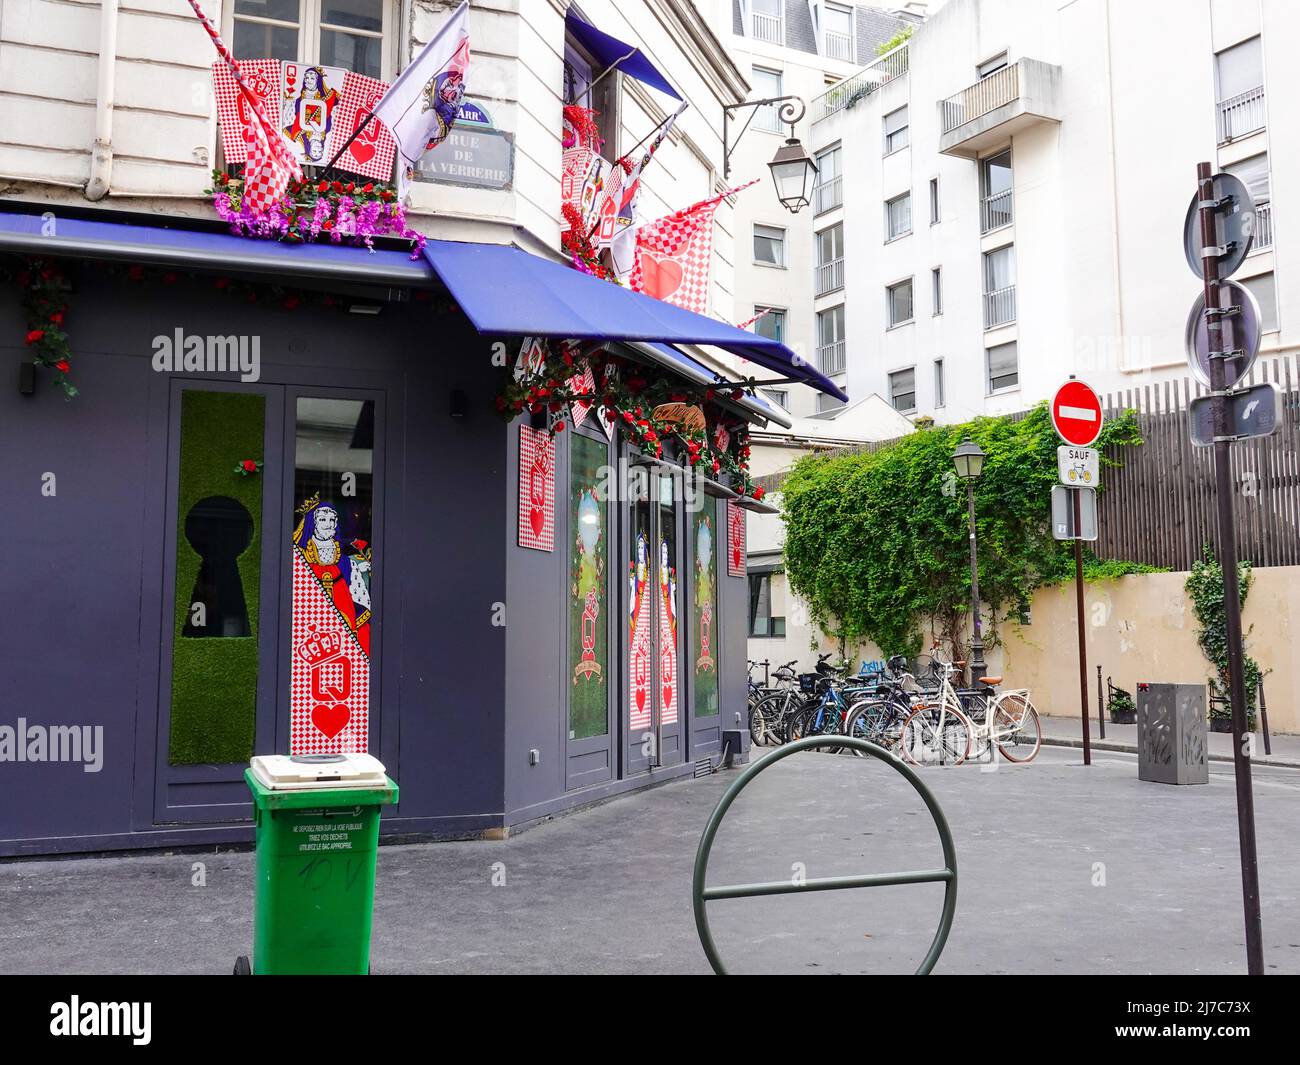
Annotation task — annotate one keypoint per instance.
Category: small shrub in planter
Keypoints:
(1122, 709)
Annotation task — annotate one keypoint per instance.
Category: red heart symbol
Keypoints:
(735, 558)
(537, 520)
(362, 152)
(660, 277)
(668, 696)
(330, 719)
(640, 700)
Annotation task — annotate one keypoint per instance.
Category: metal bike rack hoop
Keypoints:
(700, 895)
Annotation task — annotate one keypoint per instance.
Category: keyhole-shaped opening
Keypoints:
(219, 529)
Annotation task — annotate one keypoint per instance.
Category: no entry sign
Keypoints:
(1076, 413)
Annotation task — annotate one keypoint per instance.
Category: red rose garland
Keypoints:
(45, 302)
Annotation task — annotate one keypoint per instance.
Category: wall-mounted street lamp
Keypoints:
(969, 460)
(793, 170)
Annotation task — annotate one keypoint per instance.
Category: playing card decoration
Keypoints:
(371, 154)
(667, 607)
(532, 358)
(674, 256)
(639, 638)
(309, 96)
(735, 540)
(234, 115)
(536, 489)
(329, 701)
(584, 383)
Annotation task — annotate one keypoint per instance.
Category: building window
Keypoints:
(830, 260)
(829, 191)
(338, 33)
(1003, 366)
(761, 620)
(1264, 289)
(995, 192)
(899, 301)
(999, 287)
(896, 130)
(771, 324)
(938, 383)
(1253, 173)
(838, 34)
(936, 290)
(898, 216)
(767, 23)
(902, 390)
(991, 66)
(767, 85)
(1239, 86)
(779, 396)
(830, 340)
(934, 200)
(769, 245)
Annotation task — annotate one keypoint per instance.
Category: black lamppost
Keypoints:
(969, 460)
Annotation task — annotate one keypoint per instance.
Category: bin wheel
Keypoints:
(242, 968)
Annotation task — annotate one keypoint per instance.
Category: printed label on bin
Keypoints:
(329, 835)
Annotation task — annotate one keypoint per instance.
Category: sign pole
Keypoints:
(1083, 646)
(1210, 254)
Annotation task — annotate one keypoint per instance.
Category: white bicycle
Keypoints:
(1007, 720)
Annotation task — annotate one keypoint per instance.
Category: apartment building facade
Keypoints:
(1018, 175)
(793, 48)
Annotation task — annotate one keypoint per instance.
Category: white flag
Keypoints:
(420, 107)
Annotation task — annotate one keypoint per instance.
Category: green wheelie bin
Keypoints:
(317, 825)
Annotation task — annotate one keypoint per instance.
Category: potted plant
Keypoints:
(1120, 704)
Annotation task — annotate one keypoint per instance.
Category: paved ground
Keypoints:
(608, 889)
(1068, 731)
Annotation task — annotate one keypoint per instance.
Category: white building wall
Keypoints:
(1102, 287)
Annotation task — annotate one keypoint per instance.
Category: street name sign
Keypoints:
(1253, 411)
(1076, 413)
(1063, 513)
(1078, 467)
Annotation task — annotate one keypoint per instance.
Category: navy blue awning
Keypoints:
(201, 250)
(506, 291)
(611, 52)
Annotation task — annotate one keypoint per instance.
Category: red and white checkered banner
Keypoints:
(329, 698)
(584, 383)
(270, 161)
(234, 116)
(536, 489)
(674, 259)
(638, 623)
(735, 540)
(667, 598)
(373, 151)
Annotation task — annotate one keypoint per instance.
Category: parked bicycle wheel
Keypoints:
(933, 735)
(1016, 729)
(799, 723)
(876, 721)
(767, 718)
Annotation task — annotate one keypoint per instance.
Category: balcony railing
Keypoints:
(996, 211)
(1241, 114)
(839, 46)
(767, 28)
(848, 92)
(829, 277)
(830, 357)
(1263, 227)
(984, 96)
(999, 307)
(828, 195)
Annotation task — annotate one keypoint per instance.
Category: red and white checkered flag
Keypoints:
(674, 256)
(271, 164)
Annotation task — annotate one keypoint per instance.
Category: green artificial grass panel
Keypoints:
(214, 700)
(214, 679)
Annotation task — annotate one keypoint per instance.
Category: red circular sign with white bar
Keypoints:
(1076, 413)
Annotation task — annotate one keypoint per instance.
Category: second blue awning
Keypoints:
(509, 292)
(611, 52)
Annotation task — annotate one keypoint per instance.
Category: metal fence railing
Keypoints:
(999, 307)
(830, 357)
(839, 46)
(828, 195)
(984, 96)
(767, 28)
(996, 211)
(843, 94)
(828, 277)
(1264, 225)
(1241, 114)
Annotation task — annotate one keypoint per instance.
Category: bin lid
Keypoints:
(281, 772)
